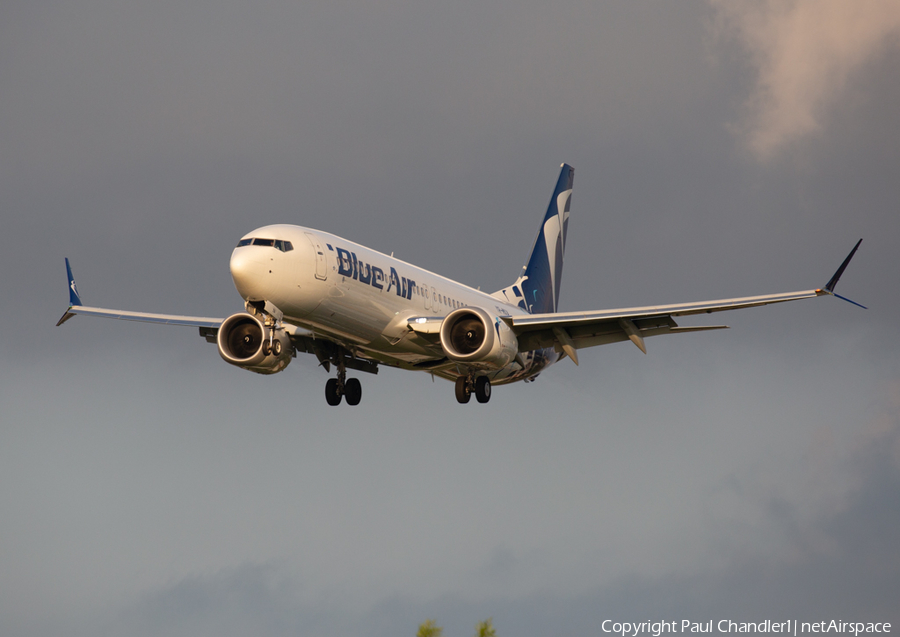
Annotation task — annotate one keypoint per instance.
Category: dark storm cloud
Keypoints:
(841, 566)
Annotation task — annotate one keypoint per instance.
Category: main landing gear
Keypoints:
(466, 385)
(330, 353)
(348, 388)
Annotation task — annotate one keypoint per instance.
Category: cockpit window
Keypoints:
(284, 246)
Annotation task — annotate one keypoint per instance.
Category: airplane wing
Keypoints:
(143, 317)
(303, 341)
(572, 331)
(77, 307)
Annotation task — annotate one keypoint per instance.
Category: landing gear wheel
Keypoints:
(483, 389)
(332, 392)
(266, 348)
(462, 390)
(352, 391)
(276, 348)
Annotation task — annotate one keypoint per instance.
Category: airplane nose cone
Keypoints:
(247, 273)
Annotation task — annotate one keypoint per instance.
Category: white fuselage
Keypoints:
(354, 308)
(364, 299)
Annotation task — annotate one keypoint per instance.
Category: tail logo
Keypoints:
(537, 288)
(555, 241)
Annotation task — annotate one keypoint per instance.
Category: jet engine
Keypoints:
(469, 335)
(247, 342)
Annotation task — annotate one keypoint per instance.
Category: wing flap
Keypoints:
(606, 332)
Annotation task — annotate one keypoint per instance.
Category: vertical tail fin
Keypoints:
(537, 289)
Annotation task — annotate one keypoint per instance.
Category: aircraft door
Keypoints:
(435, 301)
(321, 267)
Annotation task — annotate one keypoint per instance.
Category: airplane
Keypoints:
(307, 291)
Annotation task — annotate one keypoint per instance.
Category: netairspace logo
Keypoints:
(789, 627)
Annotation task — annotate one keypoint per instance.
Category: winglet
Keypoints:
(837, 275)
(74, 297)
(829, 287)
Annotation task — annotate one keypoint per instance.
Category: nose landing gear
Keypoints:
(466, 385)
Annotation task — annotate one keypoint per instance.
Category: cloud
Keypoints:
(804, 53)
(842, 564)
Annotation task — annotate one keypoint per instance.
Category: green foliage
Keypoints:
(485, 628)
(429, 628)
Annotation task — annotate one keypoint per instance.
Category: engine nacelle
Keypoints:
(469, 335)
(247, 342)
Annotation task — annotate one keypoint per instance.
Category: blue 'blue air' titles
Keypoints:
(349, 265)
